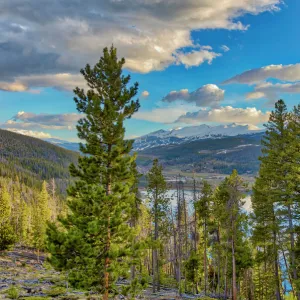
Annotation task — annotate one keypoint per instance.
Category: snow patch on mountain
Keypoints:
(191, 133)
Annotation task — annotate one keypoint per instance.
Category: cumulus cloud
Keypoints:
(281, 72)
(225, 48)
(52, 37)
(207, 95)
(31, 121)
(36, 134)
(227, 114)
(145, 94)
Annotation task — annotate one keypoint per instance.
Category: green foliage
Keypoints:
(7, 236)
(192, 266)
(41, 215)
(276, 201)
(94, 239)
(12, 292)
(56, 291)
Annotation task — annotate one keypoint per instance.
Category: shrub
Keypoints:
(56, 291)
(12, 293)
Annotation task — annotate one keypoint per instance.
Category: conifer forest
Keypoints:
(110, 237)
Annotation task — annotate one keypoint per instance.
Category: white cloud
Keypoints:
(207, 95)
(227, 114)
(195, 58)
(145, 94)
(225, 48)
(62, 81)
(255, 95)
(281, 72)
(13, 87)
(53, 37)
(28, 120)
(36, 134)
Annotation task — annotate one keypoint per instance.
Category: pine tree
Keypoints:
(7, 236)
(203, 209)
(157, 189)
(277, 184)
(97, 235)
(25, 234)
(230, 195)
(41, 215)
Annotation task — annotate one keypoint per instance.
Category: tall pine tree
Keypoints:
(97, 235)
(157, 189)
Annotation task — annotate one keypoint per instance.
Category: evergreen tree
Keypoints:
(157, 189)
(230, 194)
(97, 235)
(41, 215)
(203, 209)
(278, 187)
(25, 229)
(7, 236)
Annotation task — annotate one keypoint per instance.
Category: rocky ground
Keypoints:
(23, 277)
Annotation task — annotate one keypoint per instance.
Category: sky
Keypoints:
(196, 61)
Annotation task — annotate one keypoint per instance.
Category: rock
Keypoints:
(3, 286)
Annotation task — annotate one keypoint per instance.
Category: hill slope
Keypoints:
(34, 160)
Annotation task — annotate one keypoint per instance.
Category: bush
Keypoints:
(56, 291)
(7, 237)
(12, 293)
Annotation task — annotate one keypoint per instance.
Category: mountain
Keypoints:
(219, 154)
(191, 133)
(34, 160)
(64, 144)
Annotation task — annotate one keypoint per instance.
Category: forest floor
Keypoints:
(23, 277)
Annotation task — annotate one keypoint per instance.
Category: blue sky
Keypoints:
(196, 48)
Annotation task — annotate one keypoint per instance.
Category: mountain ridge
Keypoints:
(192, 133)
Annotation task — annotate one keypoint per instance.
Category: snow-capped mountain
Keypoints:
(192, 133)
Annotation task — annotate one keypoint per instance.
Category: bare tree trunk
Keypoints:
(276, 267)
(179, 236)
(195, 217)
(219, 260)
(225, 277)
(292, 253)
(234, 288)
(108, 241)
(175, 246)
(205, 259)
(185, 234)
(156, 284)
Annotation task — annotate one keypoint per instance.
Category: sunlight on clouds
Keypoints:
(36, 134)
(151, 35)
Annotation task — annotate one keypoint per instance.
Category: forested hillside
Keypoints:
(34, 160)
(208, 155)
